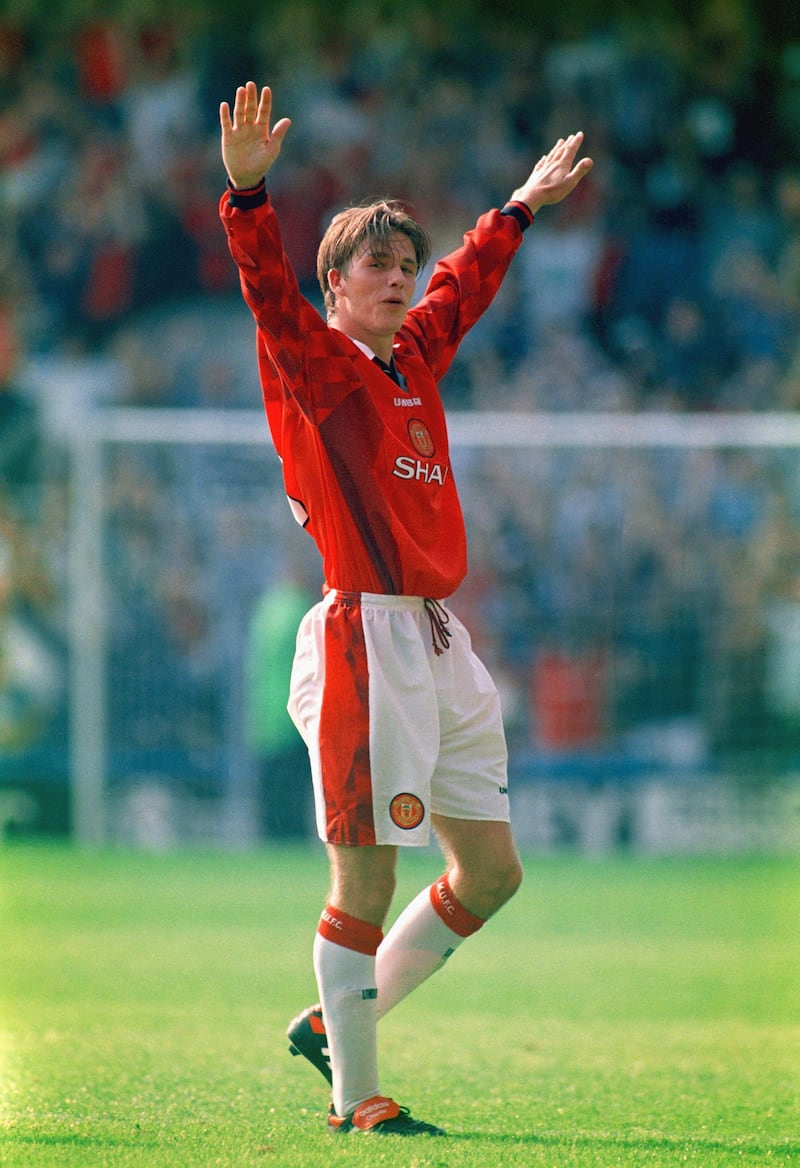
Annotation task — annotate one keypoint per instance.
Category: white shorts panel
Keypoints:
(436, 739)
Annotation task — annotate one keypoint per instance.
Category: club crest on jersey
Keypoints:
(420, 437)
(406, 811)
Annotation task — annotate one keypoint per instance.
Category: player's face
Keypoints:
(374, 294)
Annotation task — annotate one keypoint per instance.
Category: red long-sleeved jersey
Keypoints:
(366, 464)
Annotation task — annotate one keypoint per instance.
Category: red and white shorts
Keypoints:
(395, 731)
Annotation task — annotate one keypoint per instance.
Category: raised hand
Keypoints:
(554, 175)
(249, 147)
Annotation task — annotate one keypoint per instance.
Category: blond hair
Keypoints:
(362, 228)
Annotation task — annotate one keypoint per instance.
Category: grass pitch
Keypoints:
(617, 1012)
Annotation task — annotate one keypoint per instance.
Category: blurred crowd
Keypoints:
(679, 260)
(670, 281)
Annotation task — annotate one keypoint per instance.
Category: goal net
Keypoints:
(634, 588)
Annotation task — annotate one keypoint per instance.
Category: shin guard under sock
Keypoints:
(344, 963)
(422, 938)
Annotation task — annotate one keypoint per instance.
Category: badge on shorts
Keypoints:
(407, 811)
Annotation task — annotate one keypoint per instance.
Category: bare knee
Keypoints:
(363, 881)
(485, 869)
(502, 881)
(512, 878)
(483, 890)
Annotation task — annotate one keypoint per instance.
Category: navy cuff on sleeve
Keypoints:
(518, 211)
(245, 200)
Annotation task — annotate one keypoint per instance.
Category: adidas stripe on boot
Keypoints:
(307, 1037)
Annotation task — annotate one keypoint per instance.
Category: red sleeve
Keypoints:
(291, 331)
(462, 287)
(269, 285)
(294, 342)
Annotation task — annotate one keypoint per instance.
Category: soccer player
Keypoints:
(401, 720)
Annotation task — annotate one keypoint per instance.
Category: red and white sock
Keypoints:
(344, 963)
(422, 938)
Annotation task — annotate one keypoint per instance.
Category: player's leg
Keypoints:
(347, 939)
(470, 814)
(373, 746)
(363, 880)
(484, 868)
(483, 872)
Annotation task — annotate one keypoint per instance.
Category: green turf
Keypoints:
(618, 1012)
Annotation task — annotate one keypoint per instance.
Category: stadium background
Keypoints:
(640, 608)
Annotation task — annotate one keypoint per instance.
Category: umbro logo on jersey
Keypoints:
(408, 401)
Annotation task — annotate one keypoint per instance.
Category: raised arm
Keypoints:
(554, 175)
(249, 147)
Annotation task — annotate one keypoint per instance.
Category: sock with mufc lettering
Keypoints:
(422, 938)
(344, 964)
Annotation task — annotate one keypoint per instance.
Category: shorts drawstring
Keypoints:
(439, 618)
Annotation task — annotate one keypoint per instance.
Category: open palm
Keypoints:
(555, 175)
(249, 147)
